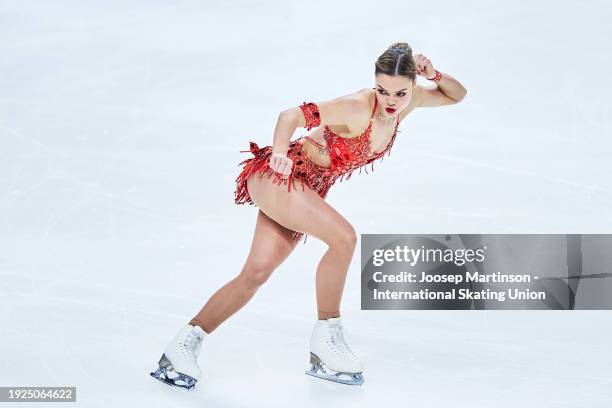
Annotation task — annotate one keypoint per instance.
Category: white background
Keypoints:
(120, 130)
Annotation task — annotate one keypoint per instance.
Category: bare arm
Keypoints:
(285, 127)
(448, 91)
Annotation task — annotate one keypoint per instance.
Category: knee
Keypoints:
(346, 239)
(256, 273)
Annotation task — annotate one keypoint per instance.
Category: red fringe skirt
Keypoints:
(310, 174)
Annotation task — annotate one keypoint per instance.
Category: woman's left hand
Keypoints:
(424, 67)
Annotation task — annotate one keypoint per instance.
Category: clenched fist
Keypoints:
(280, 163)
(424, 66)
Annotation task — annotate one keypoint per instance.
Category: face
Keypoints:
(393, 92)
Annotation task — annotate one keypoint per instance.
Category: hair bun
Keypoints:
(401, 46)
(396, 60)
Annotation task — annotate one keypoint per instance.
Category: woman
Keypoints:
(289, 181)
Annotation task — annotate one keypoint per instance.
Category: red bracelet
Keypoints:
(437, 77)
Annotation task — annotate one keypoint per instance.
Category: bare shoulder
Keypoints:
(359, 101)
(366, 94)
(367, 97)
(343, 110)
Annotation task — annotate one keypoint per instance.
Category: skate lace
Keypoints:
(340, 338)
(193, 343)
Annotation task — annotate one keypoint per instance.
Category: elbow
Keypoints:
(462, 95)
(458, 98)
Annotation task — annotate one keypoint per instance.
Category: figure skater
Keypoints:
(289, 181)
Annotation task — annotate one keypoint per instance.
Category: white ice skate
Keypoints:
(178, 365)
(331, 356)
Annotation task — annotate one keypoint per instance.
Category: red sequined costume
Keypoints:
(346, 155)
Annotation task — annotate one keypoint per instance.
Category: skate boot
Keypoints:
(178, 365)
(330, 355)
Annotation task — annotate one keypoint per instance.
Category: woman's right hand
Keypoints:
(280, 163)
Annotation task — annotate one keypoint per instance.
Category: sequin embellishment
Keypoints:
(346, 155)
(311, 114)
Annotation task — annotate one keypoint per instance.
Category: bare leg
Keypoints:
(305, 211)
(272, 244)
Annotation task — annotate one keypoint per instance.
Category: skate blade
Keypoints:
(180, 380)
(343, 378)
